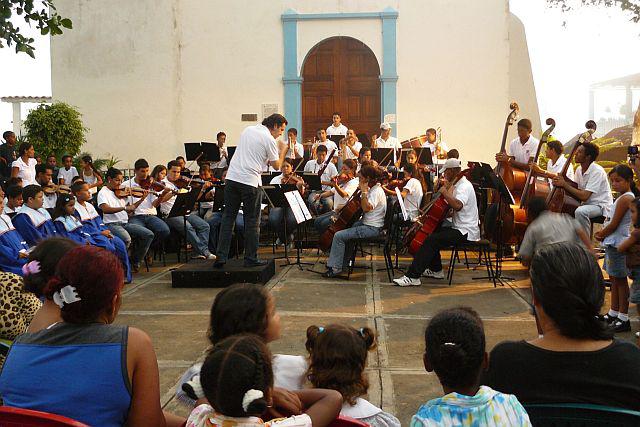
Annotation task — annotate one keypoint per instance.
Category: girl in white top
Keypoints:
(25, 166)
(411, 192)
(237, 379)
(337, 359)
(90, 174)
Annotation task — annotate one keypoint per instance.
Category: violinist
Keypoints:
(411, 190)
(44, 175)
(341, 189)
(522, 149)
(146, 214)
(593, 186)
(296, 150)
(555, 163)
(159, 173)
(196, 228)
(277, 215)
(183, 166)
(350, 146)
(374, 207)
(461, 197)
(205, 201)
(322, 204)
(115, 216)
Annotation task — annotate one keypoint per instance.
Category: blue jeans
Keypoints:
(132, 232)
(322, 222)
(342, 243)
(214, 228)
(320, 206)
(152, 222)
(584, 214)
(278, 224)
(236, 193)
(197, 232)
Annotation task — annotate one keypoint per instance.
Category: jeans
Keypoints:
(584, 213)
(128, 232)
(197, 231)
(320, 206)
(322, 222)
(428, 256)
(342, 243)
(152, 222)
(278, 224)
(214, 228)
(251, 198)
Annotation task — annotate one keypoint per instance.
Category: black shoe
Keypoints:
(256, 263)
(219, 264)
(622, 326)
(607, 319)
(330, 273)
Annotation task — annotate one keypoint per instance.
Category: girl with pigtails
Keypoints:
(337, 359)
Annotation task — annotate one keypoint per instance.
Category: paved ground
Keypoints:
(177, 320)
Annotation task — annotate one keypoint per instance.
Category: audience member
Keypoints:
(68, 171)
(24, 166)
(337, 359)
(631, 247)
(8, 152)
(33, 221)
(237, 380)
(575, 360)
(14, 199)
(67, 225)
(90, 175)
(455, 350)
(13, 247)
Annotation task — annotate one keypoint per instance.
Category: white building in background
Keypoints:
(149, 75)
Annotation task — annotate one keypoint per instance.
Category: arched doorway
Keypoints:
(341, 74)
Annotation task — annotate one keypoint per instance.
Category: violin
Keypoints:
(52, 188)
(341, 179)
(292, 179)
(123, 193)
(150, 184)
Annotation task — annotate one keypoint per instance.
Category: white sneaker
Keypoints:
(212, 257)
(406, 281)
(433, 274)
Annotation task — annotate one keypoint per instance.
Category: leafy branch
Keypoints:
(632, 7)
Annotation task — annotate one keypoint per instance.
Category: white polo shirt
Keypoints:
(349, 154)
(391, 142)
(146, 207)
(350, 187)
(26, 171)
(330, 171)
(413, 199)
(67, 175)
(256, 147)
(331, 146)
(557, 168)
(432, 148)
(466, 219)
(165, 207)
(378, 200)
(222, 163)
(523, 152)
(108, 197)
(340, 130)
(595, 180)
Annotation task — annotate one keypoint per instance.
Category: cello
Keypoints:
(558, 199)
(514, 179)
(348, 215)
(531, 187)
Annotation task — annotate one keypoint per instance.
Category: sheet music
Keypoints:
(298, 207)
(405, 215)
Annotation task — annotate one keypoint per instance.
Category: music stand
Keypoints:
(275, 196)
(314, 181)
(483, 175)
(211, 152)
(230, 152)
(424, 156)
(336, 138)
(295, 163)
(218, 199)
(183, 206)
(382, 156)
(192, 150)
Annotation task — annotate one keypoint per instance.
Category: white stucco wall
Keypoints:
(152, 74)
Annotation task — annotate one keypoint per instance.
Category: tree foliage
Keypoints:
(55, 129)
(41, 13)
(632, 7)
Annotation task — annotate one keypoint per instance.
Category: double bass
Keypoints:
(559, 200)
(514, 179)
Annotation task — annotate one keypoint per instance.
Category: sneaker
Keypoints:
(406, 281)
(212, 257)
(433, 274)
(621, 326)
(638, 334)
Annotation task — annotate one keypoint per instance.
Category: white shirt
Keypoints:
(146, 207)
(330, 171)
(350, 187)
(340, 130)
(165, 207)
(432, 148)
(108, 197)
(89, 179)
(378, 200)
(331, 146)
(349, 154)
(26, 171)
(557, 168)
(256, 147)
(299, 151)
(466, 219)
(522, 153)
(49, 201)
(391, 142)
(413, 200)
(67, 175)
(595, 180)
(222, 163)
(87, 211)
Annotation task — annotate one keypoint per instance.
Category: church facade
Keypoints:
(151, 75)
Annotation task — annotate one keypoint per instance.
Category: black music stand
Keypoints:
(424, 156)
(183, 206)
(336, 138)
(295, 163)
(483, 175)
(192, 150)
(383, 156)
(230, 152)
(275, 196)
(211, 152)
(314, 181)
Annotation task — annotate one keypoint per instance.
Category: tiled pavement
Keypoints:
(177, 321)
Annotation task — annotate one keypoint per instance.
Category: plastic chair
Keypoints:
(18, 417)
(580, 414)
(343, 421)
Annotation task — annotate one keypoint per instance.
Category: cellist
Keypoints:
(461, 197)
(555, 163)
(341, 188)
(522, 149)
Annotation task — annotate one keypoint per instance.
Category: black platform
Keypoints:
(203, 275)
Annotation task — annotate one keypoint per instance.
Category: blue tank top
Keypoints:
(78, 371)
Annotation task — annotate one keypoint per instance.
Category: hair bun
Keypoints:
(369, 337)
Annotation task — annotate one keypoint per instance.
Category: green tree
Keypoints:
(42, 13)
(55, 129)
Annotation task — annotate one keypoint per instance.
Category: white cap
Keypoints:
(450, 164)
(385, 126)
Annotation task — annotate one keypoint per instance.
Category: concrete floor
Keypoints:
(177, 320)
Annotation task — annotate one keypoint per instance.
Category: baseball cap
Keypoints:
(450, 164)
(385, 126)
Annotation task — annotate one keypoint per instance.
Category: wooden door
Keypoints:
(341, 74)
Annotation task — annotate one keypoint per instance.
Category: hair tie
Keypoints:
(66, 295)
(361, 331)
(32, 267)
(449, 343)
(249, 397)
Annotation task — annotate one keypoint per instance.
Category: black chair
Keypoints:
(579, 415)
(482, 247)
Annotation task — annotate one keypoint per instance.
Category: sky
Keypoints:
(568, 51)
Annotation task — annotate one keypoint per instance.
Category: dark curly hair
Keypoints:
(455, 346)
(240, 308)
(337, 358)
(234, 366)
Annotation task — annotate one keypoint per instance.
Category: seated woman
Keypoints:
(576, 360)
(13, 247)
(113, 368)
(33, 221)
(278, 215)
